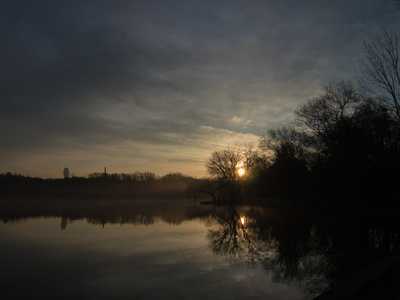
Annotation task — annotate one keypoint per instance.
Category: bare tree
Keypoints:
(227, 168)
(285, 142)
(224, 165)
(379, 68)
(338, 105)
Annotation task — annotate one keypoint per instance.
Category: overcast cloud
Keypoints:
(158, 85)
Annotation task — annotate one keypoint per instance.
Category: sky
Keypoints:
(157, 86)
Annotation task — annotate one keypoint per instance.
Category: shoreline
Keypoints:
(380, 280)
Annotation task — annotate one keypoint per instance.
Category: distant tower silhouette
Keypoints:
(105, 170)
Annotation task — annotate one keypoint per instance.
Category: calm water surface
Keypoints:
(135, 254)
(94, 249)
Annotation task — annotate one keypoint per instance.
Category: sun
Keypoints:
(241, 171)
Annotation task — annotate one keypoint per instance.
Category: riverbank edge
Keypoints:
(351, 286)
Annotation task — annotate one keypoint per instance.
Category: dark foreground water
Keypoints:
(180, 250)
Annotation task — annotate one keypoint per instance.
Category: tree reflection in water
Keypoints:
(235, 238)
(312, 250)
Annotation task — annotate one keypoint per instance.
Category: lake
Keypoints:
(180, 249)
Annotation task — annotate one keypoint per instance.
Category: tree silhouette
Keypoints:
(336, 107)
(379, 67)
(229, 168)
(355, 141)
(286, 143)
(288, 174)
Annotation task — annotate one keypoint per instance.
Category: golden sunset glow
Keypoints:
(241, 171)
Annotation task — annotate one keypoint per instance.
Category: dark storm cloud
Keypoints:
(82, 74)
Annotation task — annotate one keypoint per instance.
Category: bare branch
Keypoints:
(379, 68)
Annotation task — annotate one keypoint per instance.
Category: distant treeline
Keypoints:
(97, 185)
